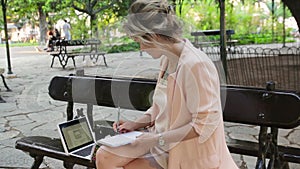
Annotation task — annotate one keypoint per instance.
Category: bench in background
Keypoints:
(203, 38)
(64, 51)
(266, 108)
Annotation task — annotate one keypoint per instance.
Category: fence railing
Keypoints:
(254, 66)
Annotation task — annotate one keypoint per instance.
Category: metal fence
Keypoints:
(254, 66)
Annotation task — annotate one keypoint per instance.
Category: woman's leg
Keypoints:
(114, 157)
(108, 160)
(144, 163)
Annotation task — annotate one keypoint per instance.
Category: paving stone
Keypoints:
(12, 158)
(294, 166)
(7, 107)
(242, 132)
(283, 141)
(56, 103)
(2, 120)
(47, 116)
(294, 145)
(9, 142)
(2, 128)
(250, 161)
(8, 134)
(228, 124)
(294, 137)
(22, 122)
(27, 129)
(240, 162)
(17, 117)
(246, 137)
(284, 132)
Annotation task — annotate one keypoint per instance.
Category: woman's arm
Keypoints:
(126, 126)
(177, 135)
(201, 94)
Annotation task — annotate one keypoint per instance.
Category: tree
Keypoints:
(92, 8)
(35, 12)
(4, 7)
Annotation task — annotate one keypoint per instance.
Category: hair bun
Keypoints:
(152, 18)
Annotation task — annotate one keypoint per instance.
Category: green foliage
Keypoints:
(19, 44)
(246, 17)
(261, 38)
(133, 46)
(200, 14)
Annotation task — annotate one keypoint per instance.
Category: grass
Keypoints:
(21, 44)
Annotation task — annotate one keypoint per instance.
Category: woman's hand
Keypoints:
(147, 139)
(124, 126)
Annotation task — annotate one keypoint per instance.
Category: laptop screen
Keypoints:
(76, 133)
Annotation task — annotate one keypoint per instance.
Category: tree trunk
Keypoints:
(4, 5)
(94, 27)
(223, 36)
(42, 25)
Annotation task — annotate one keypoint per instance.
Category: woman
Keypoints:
(52, 37)
(185, 121)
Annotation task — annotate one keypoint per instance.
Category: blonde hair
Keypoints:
(148, 19)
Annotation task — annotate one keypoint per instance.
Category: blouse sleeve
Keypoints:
(202, 95)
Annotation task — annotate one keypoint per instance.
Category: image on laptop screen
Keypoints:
(76, 134)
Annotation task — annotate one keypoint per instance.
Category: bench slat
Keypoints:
(128, 93)
(261, 107)
(86, 53)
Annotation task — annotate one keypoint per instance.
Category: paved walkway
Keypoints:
(30, 111)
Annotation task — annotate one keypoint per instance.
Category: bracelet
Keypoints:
(161, 141)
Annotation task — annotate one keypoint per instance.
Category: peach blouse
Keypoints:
(191, 96)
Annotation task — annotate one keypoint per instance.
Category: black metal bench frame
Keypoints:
(63, 54)
(4, 83)
(6, 86)
(260, 107)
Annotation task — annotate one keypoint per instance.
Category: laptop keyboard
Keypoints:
(84, 152)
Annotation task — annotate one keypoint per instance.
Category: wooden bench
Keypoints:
(201, 38)
(63, 51)
(266, 108)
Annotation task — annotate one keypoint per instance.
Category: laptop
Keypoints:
(77, 138)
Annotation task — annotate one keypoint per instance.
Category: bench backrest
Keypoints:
(261, 107)
(77, 42)
(211, 33)
(103, 91)
(245, 105)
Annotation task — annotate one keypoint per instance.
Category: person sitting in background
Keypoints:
(57, 34)
(53, 36)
